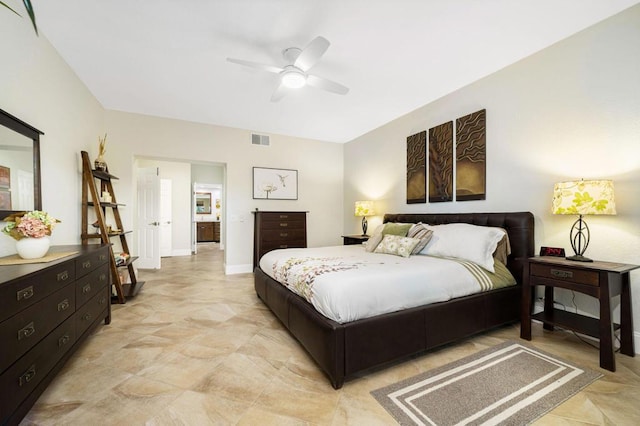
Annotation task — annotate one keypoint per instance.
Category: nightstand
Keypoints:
(602, 280)
(349, 240)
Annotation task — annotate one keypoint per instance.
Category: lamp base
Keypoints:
(579, 258)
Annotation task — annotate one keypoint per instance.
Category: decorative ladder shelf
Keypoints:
(91, 198)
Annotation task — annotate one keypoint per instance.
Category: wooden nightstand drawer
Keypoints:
(563, 273)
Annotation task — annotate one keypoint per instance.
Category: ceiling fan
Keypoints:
(295, 74)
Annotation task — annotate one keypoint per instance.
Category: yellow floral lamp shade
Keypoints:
(584, 197)
(364, 208)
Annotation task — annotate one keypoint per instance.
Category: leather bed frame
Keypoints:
(343, 350)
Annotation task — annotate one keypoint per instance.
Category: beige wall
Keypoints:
(319, 165)
(38, 87)
(570, 111)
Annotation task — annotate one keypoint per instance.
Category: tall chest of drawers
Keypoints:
(46, 311)
(275, 230)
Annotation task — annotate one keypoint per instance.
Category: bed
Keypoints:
(343, 350)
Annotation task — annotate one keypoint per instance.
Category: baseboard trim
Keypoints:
(238, 269)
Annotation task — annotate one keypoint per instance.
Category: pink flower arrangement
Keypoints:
(34, 224)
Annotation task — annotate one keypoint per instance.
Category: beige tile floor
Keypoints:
(196, 347)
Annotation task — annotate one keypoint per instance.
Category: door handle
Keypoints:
(154, 223)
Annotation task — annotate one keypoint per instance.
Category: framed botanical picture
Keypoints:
(275, 184)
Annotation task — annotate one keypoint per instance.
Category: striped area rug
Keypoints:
(509, 384)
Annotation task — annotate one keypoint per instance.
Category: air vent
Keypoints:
(259, 140)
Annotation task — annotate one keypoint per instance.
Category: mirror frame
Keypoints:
(204, 196)
(19, 126)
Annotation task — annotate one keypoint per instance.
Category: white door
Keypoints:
(148, 180)
(166, 243)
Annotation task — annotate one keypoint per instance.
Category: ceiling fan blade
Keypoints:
(263, 67)
(328, 85)
(312, 53)
(279, 93)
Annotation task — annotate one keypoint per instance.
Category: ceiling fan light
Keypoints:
(293, 79)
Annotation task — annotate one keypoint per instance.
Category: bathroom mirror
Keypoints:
(20, 188)
(203, 203)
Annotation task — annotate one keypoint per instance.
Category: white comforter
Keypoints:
(346, 283)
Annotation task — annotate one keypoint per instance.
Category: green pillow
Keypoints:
(393, 228)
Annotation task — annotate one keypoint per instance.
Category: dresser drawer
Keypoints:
(21, 332)
(283, 224)
(564, 273)
(268, 246)
(93, 309)
(20, 294)
(271, 235)
(89, 285)
(87, 264)
(25, 374)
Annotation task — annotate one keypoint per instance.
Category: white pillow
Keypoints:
(464, 241)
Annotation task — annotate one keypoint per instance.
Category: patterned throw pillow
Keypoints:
(422, 233)
(397, 245)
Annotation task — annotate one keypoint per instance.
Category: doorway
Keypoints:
(178, 177)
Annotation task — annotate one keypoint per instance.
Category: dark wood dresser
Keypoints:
(46, 311)
(276, 230)
(208, 232)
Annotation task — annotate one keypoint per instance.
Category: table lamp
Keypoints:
(364, 209)
(583, 197)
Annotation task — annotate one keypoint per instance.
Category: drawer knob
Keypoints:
(284, 234)
(86, 288)
(62, 276)
(64, 305)
(25, 293)
(26, 331)
(28, 375)
(86, 264)
(558, 273)
(63, 340)
(86, 317)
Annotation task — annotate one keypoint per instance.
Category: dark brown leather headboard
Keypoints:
(519, 227)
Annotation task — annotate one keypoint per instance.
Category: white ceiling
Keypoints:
(168, 57)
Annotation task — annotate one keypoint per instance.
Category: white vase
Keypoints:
(32, 248)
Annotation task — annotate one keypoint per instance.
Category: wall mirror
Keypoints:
(203, 203)
(20, 188)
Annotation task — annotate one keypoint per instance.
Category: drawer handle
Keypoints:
(28, 375)
(284, 216)
(103, 257)
(63, 340)
(86, 317)
(284, 234)
(558, 273)
(86, 264)
(26, 331)
(284, 224)
(25, 293)
(102, 277)
(64, 305)
(63, 276)
(86, 288)
(102, 301)
(283, 246)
